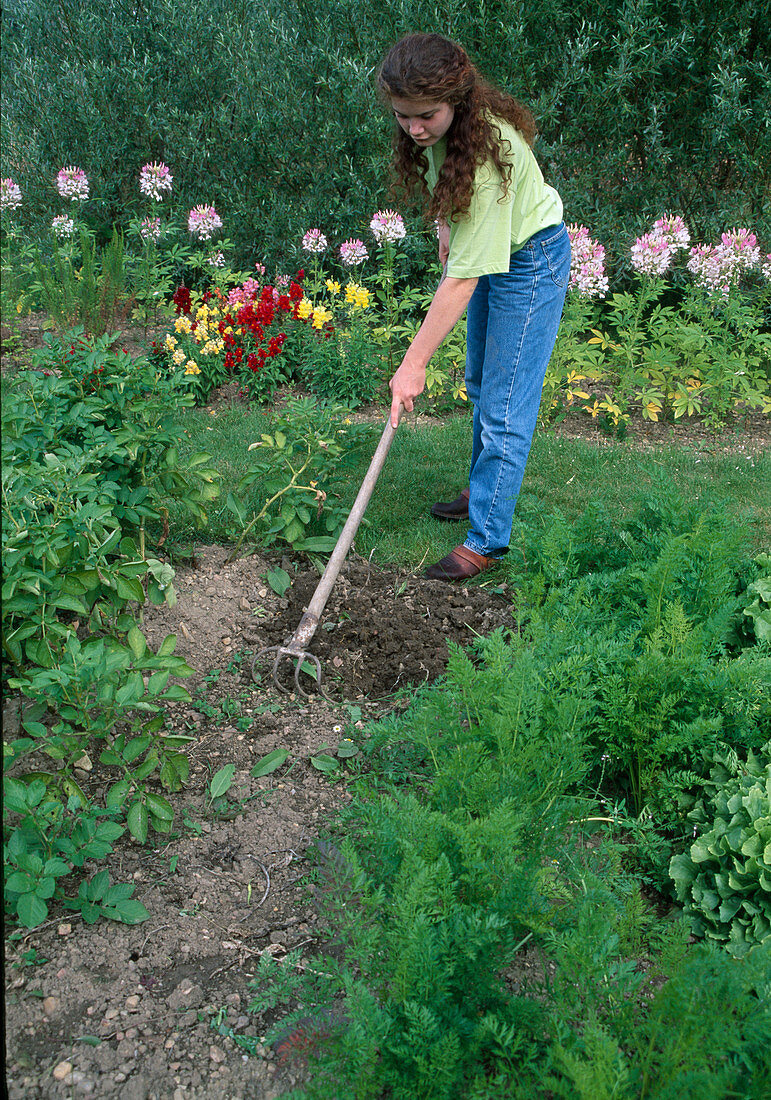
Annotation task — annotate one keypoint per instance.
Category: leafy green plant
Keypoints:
(221, 782)
(345, 365)
(50, 840)
(294, 464)
(87, 693)
(759, 611)
(655, 679)
(724, 878)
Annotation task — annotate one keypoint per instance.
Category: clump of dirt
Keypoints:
(383, 630)
(159, 1010)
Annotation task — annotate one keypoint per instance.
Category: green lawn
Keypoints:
(429, 463)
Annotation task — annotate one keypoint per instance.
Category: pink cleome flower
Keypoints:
(674, 230)
(154, 179)
(587, 265)
(353, 252)
(314, 241)
(63, 226)
(72, 183)
(387, 225)
(150, 229)
(718, 268)
(653, 252)
(203, 222)
(10, 195)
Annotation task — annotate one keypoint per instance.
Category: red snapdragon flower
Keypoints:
(182, 300)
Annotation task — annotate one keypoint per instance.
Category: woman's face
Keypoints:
(424, 120)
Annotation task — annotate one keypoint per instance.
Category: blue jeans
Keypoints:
(512, 324)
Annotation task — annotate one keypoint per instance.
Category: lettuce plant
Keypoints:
(724, 879)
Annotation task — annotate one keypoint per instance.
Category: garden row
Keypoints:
(494, 879)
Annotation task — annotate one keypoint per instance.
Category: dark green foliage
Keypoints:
(269, 111)
(89, 455)
(640, 624)
(434, 896)
(705, 1033)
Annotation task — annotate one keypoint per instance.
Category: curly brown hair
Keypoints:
(432, 67)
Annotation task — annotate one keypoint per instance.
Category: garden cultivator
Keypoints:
(296, 648)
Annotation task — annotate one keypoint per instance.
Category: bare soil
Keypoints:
(109, 1010)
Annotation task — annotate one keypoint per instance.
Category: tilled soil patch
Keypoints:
(384, 630)
(157, 1010)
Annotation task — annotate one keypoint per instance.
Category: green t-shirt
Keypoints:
(482, 240)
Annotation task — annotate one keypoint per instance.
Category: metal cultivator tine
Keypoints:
(283, 652)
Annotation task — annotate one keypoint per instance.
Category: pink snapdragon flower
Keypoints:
(248, 291)
(353, 252)
(387, 225)
(587, 264)
(63, 226)
(10, 195)
(150, 229)
(72, 183)
(314, 241)
(154, 179)
(718, 268)
(203, 222)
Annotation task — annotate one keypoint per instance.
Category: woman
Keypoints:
(467, 147)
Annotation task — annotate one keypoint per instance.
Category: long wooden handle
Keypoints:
(310, 620)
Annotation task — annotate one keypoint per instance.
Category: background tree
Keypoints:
(267, 108)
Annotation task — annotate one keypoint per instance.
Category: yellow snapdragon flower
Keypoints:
(210, 348)
(191, 367)
(305, 309)
(182, 324)
(333, 287)
(178, 357)
(357, 296)
(321, 316)
(171, 342)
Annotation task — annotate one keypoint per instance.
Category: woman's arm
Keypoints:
(448, 306)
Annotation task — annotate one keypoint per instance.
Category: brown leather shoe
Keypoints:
(456, 509)
(460, 565)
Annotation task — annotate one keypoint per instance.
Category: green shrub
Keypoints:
(89, 455)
